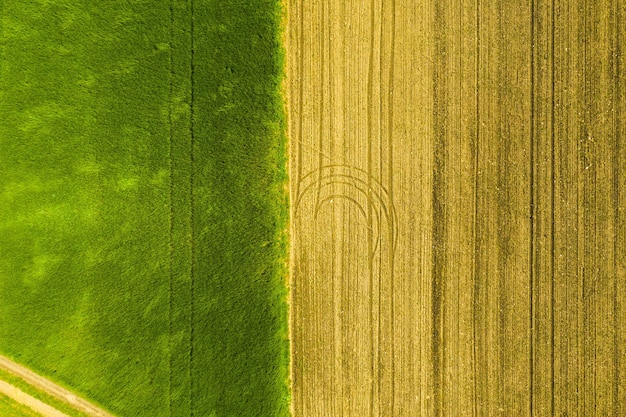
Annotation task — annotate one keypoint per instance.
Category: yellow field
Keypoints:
(458, 182)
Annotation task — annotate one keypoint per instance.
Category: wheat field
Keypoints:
(458, 206)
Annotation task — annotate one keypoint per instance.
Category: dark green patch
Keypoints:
(240, 348)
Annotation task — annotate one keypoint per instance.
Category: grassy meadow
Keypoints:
(142, 203)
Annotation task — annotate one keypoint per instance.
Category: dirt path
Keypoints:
(33, 403)
(47, 387)
(458, 207)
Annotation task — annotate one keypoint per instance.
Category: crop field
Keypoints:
(143, 209)
(437, 188)
(458, 202)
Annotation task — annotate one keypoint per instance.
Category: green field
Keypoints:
(142, 203)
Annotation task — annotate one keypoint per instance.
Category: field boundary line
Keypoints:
(46, 386)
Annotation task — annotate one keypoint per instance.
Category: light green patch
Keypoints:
(41, 268)
(124, 67)
(87, 166)
(127, 184)
(38, 119)
(162, 177)
(86, 81)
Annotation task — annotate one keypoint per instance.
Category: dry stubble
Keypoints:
(458, 207)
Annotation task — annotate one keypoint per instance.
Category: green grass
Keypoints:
(142, 203)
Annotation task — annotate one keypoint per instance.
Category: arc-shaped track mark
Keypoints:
(361, 209)
(377, 245)
(383, 198)
(366, 191)
(370, 228)
(391, 217)
(366, 181)
(331, 197)
(368, 194)
(350, 168)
